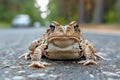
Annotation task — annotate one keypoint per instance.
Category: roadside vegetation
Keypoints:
(63, 11)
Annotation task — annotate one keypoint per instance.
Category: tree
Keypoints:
(11, 8)
(99, 11)
(63, 11)
(118, 8)
(81, 18)
(85, 11)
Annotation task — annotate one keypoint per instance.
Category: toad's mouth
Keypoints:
(63, 41)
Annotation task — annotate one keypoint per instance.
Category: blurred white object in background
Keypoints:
(22, 20)
(36, 24)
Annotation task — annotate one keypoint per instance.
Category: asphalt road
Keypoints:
(14, 42)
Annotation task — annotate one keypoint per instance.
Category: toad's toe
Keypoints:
(26, 56)
(87, 62)
(37, 64)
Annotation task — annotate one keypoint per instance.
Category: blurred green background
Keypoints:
(63, 11)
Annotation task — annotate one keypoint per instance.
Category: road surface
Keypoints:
(14, 42)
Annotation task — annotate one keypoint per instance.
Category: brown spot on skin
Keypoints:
(38, 41)
(32, 52)
(36, 46)
(47, 53)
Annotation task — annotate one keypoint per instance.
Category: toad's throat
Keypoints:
(74, 47)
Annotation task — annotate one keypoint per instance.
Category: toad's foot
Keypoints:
(87, 62)
(26, 56)
(38, 64)
(98, 56)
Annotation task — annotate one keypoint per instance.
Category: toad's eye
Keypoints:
(52, 27)
(76, 27)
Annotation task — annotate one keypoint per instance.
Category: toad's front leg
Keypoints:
(32, 47)
(88, 52)
(36, 49)
(36, 58)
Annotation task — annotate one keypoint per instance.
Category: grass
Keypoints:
(5, 25)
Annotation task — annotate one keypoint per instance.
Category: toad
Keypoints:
(61, 43)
